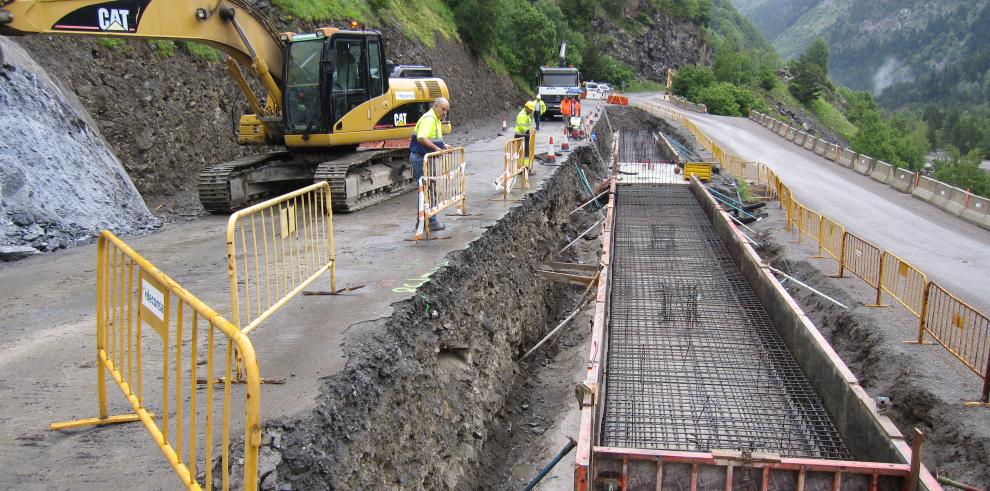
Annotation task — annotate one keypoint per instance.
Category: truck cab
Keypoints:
(554, 83)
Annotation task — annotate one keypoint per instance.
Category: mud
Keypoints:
(925, 384)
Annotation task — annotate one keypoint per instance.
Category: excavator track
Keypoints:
(363, 179)
(214, 182)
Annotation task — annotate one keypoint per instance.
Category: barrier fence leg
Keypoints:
(879, 302)
(985, 398)
(923, 318)
(842, 256)
(821, 230)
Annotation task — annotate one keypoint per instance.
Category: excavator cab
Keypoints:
(326, 77)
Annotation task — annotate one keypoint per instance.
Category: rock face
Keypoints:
(667, 43)
(59, 181)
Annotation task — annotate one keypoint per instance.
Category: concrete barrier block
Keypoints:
(942, 195)
(846, 158)
(791, 134)
(977, 211)
(957, 201)
(776, 126)
(863, 164)
(809, 142)
(881, 172)
(820, 146)
(833, 152)
(770, 122)
(799, 138)
(925, 190)
(902, 180)
(782, 131)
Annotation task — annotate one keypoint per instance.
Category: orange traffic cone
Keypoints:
(551, 158)
(565, 146)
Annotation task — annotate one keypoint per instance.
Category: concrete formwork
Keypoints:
(873, 439)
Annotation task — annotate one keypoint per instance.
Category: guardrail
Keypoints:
(879, 268)
(134, 301)
(514, 165)
(444, 184)
(685, 104)
(277, 248)
(947, 198)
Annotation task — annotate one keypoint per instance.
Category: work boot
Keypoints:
(437, 226)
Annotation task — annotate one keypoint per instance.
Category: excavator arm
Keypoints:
(231, 26)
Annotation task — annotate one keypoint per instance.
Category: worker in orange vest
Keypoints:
(566, 106)
(576, 106)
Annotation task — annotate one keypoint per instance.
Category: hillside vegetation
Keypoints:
(874, 42)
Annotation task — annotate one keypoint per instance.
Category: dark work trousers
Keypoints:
(416, 160)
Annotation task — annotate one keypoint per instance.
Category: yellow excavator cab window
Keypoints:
(303, 101)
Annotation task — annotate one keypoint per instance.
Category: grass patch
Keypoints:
(317, 10)
(420, 19)
(832, 118)
(203, 51)
(113, 43)
(163, 48)
(638, 85)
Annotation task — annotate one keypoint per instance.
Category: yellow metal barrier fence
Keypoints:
(830, 238)
(514, 165)
(861, 258)
(276, 249)
(444, 184)
(132, 295)
(903, 282)
(809, 222)
(961, 329)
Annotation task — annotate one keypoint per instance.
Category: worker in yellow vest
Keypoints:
(427, 138)
(526, 123)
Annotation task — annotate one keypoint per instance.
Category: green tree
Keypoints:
(720, 99)
(963, 171)
(731, 64)
(690, 80)
(810, 72)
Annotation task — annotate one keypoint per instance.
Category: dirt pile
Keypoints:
(59, 181)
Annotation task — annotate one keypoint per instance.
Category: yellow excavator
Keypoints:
(327, 92)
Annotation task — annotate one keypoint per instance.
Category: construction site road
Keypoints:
(950, 251)
(47, 331)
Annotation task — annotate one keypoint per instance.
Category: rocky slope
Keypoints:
(874, 42)
(666, 42)
(59, 181)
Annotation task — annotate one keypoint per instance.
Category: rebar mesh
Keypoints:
(643, 159)
(693, 360)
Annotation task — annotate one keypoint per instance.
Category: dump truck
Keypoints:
(553, 83)
(325, 92)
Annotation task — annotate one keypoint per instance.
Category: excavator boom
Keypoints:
(230, 26)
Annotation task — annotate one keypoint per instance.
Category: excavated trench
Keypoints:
(416, 402)
(422, 400)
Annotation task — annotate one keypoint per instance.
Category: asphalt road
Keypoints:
(949, 250)
(47, 330)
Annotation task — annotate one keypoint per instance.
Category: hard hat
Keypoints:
(530, 105)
